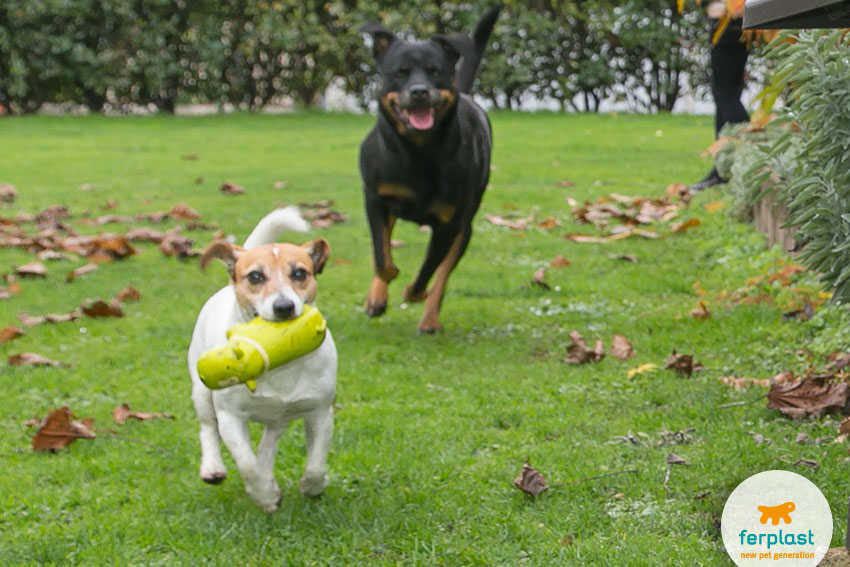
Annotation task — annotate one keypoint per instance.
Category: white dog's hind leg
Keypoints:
(259, 483)
(318, 428)
(267, 449)
(212, 467)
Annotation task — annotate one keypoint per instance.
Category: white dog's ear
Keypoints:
(319, 250)
(224, 251)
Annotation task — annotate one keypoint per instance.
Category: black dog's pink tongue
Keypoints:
(421, 118)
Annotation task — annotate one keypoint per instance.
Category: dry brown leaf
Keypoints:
(129, 293)
(229, 188)
(58, 430)
(100, 308)
(674, 459)
(323, 218)
(566, 183)
(627, 257)
(190, 157)
(579, 353)
(8, 194)
(177, 245)
(539, 279)
(32, 270)
(323, 204)
(74, 274)
(683, 226)
(519, 224)
(713, 207)
(548, 224)
(683, 364)
(586, 239)
(530, 481)
(31, 321)
(559, 262)
(280, 185)
(123, 412)
(49, 254)
(33, 359)
(184, 212)
(813, 396)
(10, 333)
(844, 426)
(146, 235)
(701, 312)
(621, 347)
(741, 383)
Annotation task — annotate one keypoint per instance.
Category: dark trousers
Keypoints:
(728, 60)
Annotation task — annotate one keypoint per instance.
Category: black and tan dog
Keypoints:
(428, 158)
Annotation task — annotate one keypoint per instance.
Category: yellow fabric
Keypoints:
(259, 345)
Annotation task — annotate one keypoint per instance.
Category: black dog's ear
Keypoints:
(455, 45)
(382, 38)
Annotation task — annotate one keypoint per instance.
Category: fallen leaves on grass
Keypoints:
(101, 308)
(177, 245)
(321, 217)
(674, 459)
(740, 383)
(8, 194)
(548, 224)
(622, 348)
(82, 270)
(559, 262)
(145, 234)
(683, 364)
(12, 289)
(229, 188)
(123, 412)
(566, 183)
(10, 333)
(33, 359)
(580, 353)
(129, 293)
(685, 225)
(642, 369)
(811, 463)
(812, 396)
(31, 270)
(184, 212)
(28, 320)
(539, 279)
(701, 312)
(59, 429)
(280, 185)
(530, 480)
(626, 257)
(498, 220)
(715, 206)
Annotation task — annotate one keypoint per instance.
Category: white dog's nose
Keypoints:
(283, 307)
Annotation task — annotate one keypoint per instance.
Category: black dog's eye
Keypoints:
(433, 71)
(256, 278)
(403, 71)
(299, 274)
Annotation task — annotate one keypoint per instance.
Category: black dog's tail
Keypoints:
(468, 69)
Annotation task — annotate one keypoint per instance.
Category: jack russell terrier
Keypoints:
(272, 281)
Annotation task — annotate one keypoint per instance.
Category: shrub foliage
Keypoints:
(250, 52)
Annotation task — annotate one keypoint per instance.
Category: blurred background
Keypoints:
(186, 56)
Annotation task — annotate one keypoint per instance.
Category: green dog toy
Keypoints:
(259, 345)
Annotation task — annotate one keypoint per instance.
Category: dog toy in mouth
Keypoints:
(258, 346)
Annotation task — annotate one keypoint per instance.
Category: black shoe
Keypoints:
(713, 178)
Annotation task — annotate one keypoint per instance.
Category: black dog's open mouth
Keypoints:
(421, 118)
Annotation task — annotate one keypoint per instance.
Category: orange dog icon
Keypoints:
(776, 513)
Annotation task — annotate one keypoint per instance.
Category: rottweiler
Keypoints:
(428, 158)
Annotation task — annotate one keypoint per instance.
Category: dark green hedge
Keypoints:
(247, 52)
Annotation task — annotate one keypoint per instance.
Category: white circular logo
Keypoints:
(776, 516)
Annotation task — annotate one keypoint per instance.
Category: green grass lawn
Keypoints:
(431, 431)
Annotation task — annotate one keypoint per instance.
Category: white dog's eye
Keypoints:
(256, 278)
(299, 274)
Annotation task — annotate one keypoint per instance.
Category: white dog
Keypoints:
(273, 281)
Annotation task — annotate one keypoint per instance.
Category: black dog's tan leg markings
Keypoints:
(430, 322)
(385, 271)
(443, 211)
(441, 247)
(395, 190)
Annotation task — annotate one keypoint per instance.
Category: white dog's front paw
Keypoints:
(313, 483)
(213, 474)
(268, 499)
